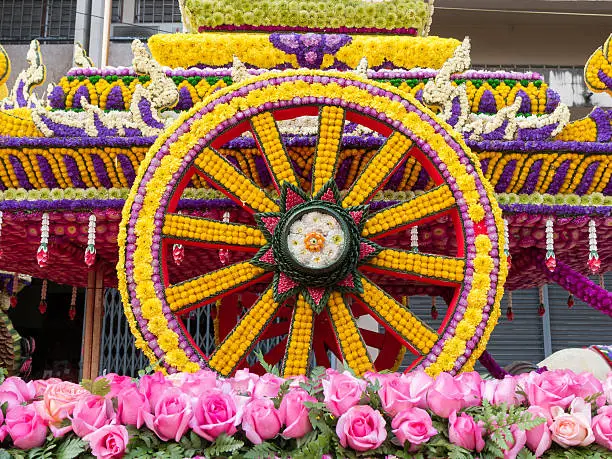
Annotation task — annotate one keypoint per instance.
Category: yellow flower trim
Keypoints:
(212, 231)
(300, 338)
(18, 122)
(255, 49)
(331, 126)
(431, 266)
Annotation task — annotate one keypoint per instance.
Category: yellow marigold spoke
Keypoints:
(349, 338)
(300, 337)
(425, 206)
(402, 322)
(222, 174)
(378, 170)
(211, 233)
(208, 287)
(331, 125)
(243, 337)
(271, 145)
(402, 263)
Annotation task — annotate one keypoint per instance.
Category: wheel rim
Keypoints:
(474, 272)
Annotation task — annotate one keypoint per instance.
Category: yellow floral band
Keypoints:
(142, 281)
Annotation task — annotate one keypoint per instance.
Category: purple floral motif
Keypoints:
(506, 177)
(309, 48)
(144, 106)
(73, 172)
(603, 121)
(80, 93)
(343, 170)
(422, 180)
(61, 130)
(132, 132)
(525, 103)
(559, 178)
(262, 171)
(100, 170)
(103, 131)
(22, 176)
(21, 99)
(455, 111)
(496, 134)
(587, 178)
(114, 99)
(608, 189)
(540, 133)
(395, 180)
(185, 101)
(484, 165)
(487, 103)
(552, 100)
(46, 171)
(532, 178)
(127, 168)
(77, 141)
(57, 98)
(605, 79)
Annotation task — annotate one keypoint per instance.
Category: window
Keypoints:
(117, 10)
(25, 20)
(157, 11)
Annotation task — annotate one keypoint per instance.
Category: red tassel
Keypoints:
(42, 307)
(13, 301)
(570, 301)
(510, 313)
(72, 312)
(541, 310)
(434, 312)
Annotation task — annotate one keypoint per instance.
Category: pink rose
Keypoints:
(294, 414)
(551, 388)
(243, 382)
(362, 428)
(398, 393)
(25, 426)
(153, 386)
(574, 428)
(602, 427)
(465, 432)
(538, 438)
(117, 383)
(413, 425)
(498, 391)
(607, 388)
(445, 395)
(588, 385)
(131, 406)
(41, 384)
(260, 421)
(15, 391)
(2, 427)
(470, 383)
(516, 443)
(171, 415)
(108, 442)
(60, 399)
(91, 413)
(342, 391)
(214, 413)
(267, 385)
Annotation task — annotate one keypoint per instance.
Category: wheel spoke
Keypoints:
(435, 269)
(208, 287)
(222, 174)
(245, 334)
(348, 335)
(416, 211)
(331, 125)
(271, 146)
(297, 355)
(212, 233)
(415, 335)
(378, 170)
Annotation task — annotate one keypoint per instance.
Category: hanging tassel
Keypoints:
(541, 308)
(90, 251)
(507, 244)
(14, 290)
(434, 310)
(551, 261)
(42, 255)
(570, 301)
(414, 238)
(72, 310)
(602, 283)
(224, 255)
(594, 262)
(42, 307)
(509, 311)
(178, 253)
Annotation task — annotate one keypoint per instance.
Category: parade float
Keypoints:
(298, 172)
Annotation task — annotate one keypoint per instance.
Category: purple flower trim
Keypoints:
(185, 101)
(127, 168)
(532, 178)
(343, 170)
(309, 48)
(538, 146)
(262, 171)
(487, 361)
(608, 190)
(61, 205)
(57, 98)
(47, 172)
(496, 134)
(75, 142)
(605, 79)
(455, 111)
(114, 99)
(487, 103)
(525, 102)
(251, 28)
(350, 141)
(103, 131)
(422, 179)
(557, 210)
(587, 178)
(21, 101)
(603, 121)
(506, 177)
(484, 165)
(100, 170)
(81, 92)
(539, 133)
(61, 130)
(552, 100)
(20, 173)
(559, 178)
(144, 106)
(73, 172)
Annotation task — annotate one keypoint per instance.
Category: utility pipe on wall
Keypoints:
(108, 11)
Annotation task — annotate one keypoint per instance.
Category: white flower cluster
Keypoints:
(550, 247)
(91, 231)
(414, 238)
(316, 240)
(34, 75)
(592, 237)
(44, 229)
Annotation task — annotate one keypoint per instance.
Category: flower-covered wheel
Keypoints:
(315, 258)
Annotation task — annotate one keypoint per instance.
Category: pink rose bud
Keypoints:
(153, 386)
(214, 413)
(398, 393)
(90, 414)
(499, 391)
(25, 426)
(131, 406)
(445, 395)
(260, 421)
(574, 428)
(465, 432)
(342, 391)
(551, 388)
(413, 425)
(171, 415)
(267, 385)
(243, 382)
(538, 438)
(108, 442)
(516, 443)
(602, 427)
(15, 391)
(117, 383)
(607, 388)
(294, 414)
(470, 383)
(588, 385)
(361, 428)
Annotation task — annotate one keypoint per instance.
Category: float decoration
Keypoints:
(90, 251)
(42, 307)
